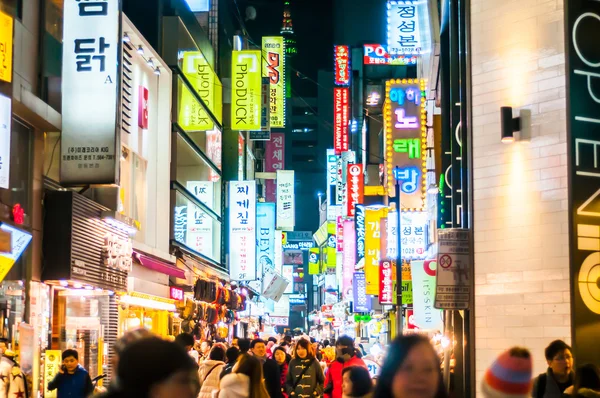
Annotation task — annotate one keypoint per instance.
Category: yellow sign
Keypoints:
(246, 86)
(51, 365)
(373, 247)
(6, 47)
(274, 69)
(192, 115)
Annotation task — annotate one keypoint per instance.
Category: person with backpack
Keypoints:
(210, 370)
(559, 376)
(305, 376)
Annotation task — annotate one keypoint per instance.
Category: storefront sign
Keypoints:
(359, 220)
(274, 286)
(199, 224)
(348, 259)
(246, 85)
(453, 288)
(52, 364)
(19, 240)
(6, 47)
(413, 235)
(407, 285)
(377, 54)
(5, 129)
(582, 20)
(362, 302)
(265, 236)
(340, 186)
(242, 230)
(342, 69)
(425, 315)
(274, 69)
(297, 299)
(286, 206)
(192, 114)
(405, 134)
(299, 245)
(274, 161)
(314, 255)
(373, 247)
(143, 105)
(386, 283)
(332, 178)
(340, 234)
(356, 187)
(90, 88)
(278, 251)
(117, 252)
(404, 28)
(288, 273)
(176, 293)
(341, 105)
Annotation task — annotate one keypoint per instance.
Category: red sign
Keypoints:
(274, 160)
(410, 319)
(143, 107)
(356, 187)
(340, 119)
(386, 284)
(341, 56)
(176, 293)
(376, 54)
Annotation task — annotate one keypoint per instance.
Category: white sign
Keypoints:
(413, 236)
(404, 30)
(199, 224)
(453, 288)
(282, 307)
(423, 277)
(265, 236)
(5, 124)
(242, 230)
(333, 212)
(286, 208)
(90, 82)
(288, 273)
(274, 285)
(278, 252)
(199, 5)
(117, 252)
(332, 174)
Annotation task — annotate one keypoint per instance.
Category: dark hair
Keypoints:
(255, 342)
(70, 353)
(397, 353)
(244, 345)
(232, 354)
(312, 340)
(217, 353)
(287, 338)
(280, 348)
(326, 343)
(345, 340)
(185, 340)
(273, 339)
(361, 381)
(587, 376)
(310, 351)
(519, 352)
(555, 348)
(284, 344)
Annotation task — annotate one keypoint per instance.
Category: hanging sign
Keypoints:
(341, 110)
(362, 302)
(6, 47)
(265, 236)
(348, 259)
(453, 289)
(361, 232)
(425, 315)
(199, 224)
(404, 27)
(386, 283)
(342, 72)
(286, 208)
(274, 161)
(274, 69)
(52, 364)
(356, 187)
(242, 230)
(5, 128)
(373, 247)
(246, 87)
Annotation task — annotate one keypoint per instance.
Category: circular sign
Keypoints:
(354, 170)
(445, 261)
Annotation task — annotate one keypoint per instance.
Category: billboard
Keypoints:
(355, 188)
(342, 71)
(413, 235)
(341, 110)
(404, 27)
(6, 47)
(286, 208)
(274, 161)
(90, 86)
(373, 218)
(246, 88)
(274, 68)
(265, 236)
(386, 283)
(405, 140)
(377, 54)
(348, 258)
(242, 230)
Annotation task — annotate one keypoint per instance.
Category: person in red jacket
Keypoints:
(346, 357)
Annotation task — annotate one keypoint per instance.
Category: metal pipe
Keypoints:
(399, 315)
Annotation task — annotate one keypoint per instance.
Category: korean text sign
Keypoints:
(341, 112)
(356, 188)
(362, 302)
(404, 35)
(373, 247)
(342, 65)
(242, 230)
(405, 134)
(348, 259)
(413, 235)
(359, 220)
(274, 161)
(274, 69)
(246, 89)
(377, 54)
(265, 236)
(6, 47)
(199, 224)
(90, 87)
(5, 129)
(386, 283)
(286, 217)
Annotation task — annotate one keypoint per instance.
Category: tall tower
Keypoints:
(287, 31)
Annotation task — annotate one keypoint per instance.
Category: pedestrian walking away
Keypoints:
(246, 381)
(209, 372)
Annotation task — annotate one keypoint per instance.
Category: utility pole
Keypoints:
(399, 314)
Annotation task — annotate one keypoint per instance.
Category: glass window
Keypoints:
(20, 169)
(197, 229)
(195, 174)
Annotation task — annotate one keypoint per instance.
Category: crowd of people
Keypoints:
(150, 367)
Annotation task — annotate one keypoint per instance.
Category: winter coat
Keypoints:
(587, 393)
(12, 380)
(307, 376)
(209, 374)
(333, 379)
(227, 369)
(283, 369)
(272, 377)
(550, 388)
(76, 385)
(234, 385)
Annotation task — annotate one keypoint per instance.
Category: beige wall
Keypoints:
(520, 189)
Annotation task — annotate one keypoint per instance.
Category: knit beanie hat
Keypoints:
(150, 361)
(509, 376)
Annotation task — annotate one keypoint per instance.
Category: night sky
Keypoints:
(313, 25)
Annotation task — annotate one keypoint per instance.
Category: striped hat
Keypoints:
(509, 376)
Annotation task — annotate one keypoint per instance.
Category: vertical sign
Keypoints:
(278, 252)
(404, 36)
(5, 128)
(423, 277)
(362, 302)
(286, 209)
(413, 235)
(341, 56)
(313, 261)
(386, 283)
(265, 237)
(405, 137)
(274, 69)
(52, 366)
(274, 161)
(356, 188)
(6, 47)
(348, 258)
(340, 234)
(341, 104)
(242, 230)
(246, 87)
(90, 87)
(199, 224)
(453, 288)
(192, 114)
(359, 219)
(331, 177)
(373, 247)
(583, 129)
(143, 107)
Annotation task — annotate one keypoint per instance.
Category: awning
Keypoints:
(157, 265)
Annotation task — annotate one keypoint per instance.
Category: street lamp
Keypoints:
(399, 315)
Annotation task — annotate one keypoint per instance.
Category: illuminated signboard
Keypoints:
(340, 119)
(242, 230)
(348, 258)
(6, 46)
(199, 235)
(246, 88)
(265, 236)
(176, 293)
(405, 134)
(274, 69)
(356, 187)
(199, 5)
(5, 125)
(286, 209)
(373, 218)
(359, 219)
(377, 54)
(274, 161)
(403, 27)
(413, 235)
(341, 55)
(362, 302)
(386, 283)
(19, 242)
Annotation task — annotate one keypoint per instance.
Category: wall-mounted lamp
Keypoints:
(510, 124)
(140, 50)
(157, 71)
(126, 38)
(150, 62)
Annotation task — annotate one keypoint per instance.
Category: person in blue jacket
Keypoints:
(72, 381)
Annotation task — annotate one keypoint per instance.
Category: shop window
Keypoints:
(198, 177)
(197, 228)
(133, 189)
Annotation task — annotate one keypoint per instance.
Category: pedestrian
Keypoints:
(270, 368)
(411, 370)
(232, 355)
(305, 377)
(156, 368)
(587, 382)
(356, 383)
(509, 376)
(559, 375)
(187, 341)
(234, 342)
(280, 356)
(244, 345)
(246, 381)
(210, 371)
(286, 346)
(345, 357)
(205, 349)
(72, 380)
